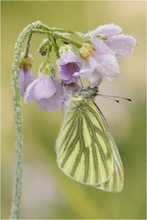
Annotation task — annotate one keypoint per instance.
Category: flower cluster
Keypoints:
(95, 59)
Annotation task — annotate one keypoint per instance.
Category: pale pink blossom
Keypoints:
(25, 77)
(47, 92)
(67, 65)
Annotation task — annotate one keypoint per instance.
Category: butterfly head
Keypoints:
(87, 94)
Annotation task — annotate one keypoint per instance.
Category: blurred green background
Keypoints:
(47, 192)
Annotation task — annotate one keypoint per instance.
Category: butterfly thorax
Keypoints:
(86, 95)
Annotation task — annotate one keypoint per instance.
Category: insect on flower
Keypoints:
(86, 150)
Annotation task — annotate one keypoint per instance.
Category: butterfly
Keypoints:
(85, 148)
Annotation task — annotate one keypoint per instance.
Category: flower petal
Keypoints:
(67, 71)
(67, 65)
(121, 44)
(47, 104)
(68, 57)
(107, 30)
(29, 92)
(53, 102)
(25, 78)
(100, 47)
(102, 64)
(21, 77)
(95, 79)
(107, 66)
(45, 87)
(88, 69)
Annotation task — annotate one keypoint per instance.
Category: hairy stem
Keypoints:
(58, 36)
(17, 182)
(28, 45)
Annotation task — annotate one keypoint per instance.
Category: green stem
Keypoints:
(77, 33)
(28, 45)
(55, 29)
(17, 182)
(66, 39)
(58, 36)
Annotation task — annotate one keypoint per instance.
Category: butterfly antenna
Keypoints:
(115, 98)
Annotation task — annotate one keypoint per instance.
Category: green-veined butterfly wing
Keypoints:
(85, 148)
(116, 181)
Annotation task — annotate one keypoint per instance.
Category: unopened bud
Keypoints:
(44, 46)
(65, 48)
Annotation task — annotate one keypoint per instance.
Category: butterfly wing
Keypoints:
(116, 181)
(83, 147)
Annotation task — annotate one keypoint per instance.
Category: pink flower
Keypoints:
(101, 62)
(107, 46)
(122, 45)
(47, 92)
(25, 77)
(67, 65)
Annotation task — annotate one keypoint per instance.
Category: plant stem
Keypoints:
(17, 182)
(57, 35)
(28, 45)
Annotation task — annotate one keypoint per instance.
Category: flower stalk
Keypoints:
(28, 45)
(17, 184)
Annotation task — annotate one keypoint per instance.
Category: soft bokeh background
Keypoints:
(47, 192)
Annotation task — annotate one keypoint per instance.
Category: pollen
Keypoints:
(86, 50)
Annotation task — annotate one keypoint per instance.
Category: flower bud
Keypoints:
(65, 48)
(44, 46)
